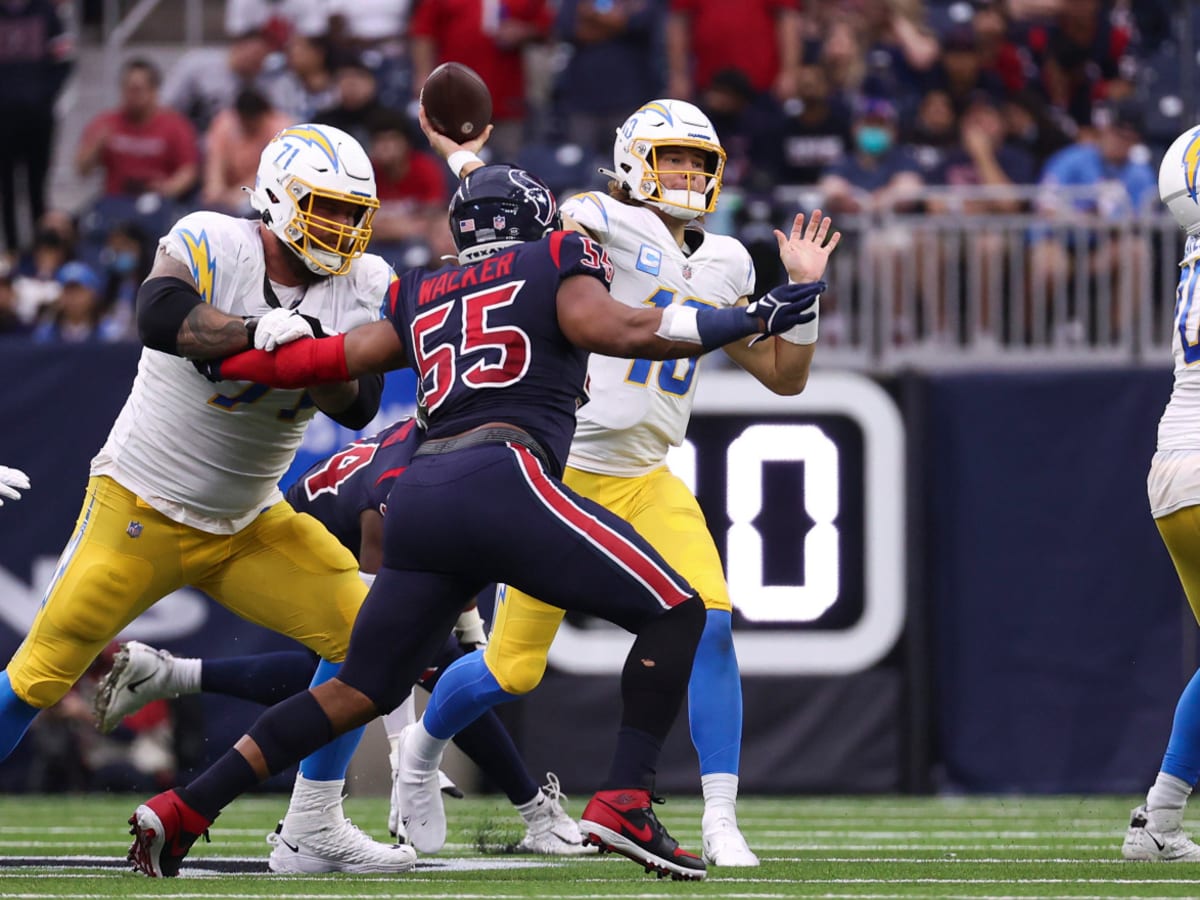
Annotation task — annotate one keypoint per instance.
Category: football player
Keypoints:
(666, 173)
(1156, 827)
(184, 491)
(12, 482)
(347, 493)
(500, 348)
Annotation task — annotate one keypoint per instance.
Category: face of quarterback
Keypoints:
(681, 169)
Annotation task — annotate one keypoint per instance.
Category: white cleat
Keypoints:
(550, 831)
(723, 844)
(1158, 837)
(417, 795)
(324, 840)
(140, 674)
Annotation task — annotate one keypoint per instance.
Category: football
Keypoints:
(457, 102)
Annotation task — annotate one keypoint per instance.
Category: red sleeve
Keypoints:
(684, 6)
(301, 363)
(98, 123)
(185, 145)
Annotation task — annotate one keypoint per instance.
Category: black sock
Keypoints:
(219, 784)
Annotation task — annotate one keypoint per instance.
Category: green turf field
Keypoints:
(872, 848)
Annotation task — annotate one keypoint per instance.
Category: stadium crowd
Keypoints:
(867, 102)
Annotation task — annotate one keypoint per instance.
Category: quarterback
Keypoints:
(667, 169)
(185, 489)
(1156, 827)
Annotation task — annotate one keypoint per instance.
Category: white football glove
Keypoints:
(469, 629)
(13, 481)
(279, 327)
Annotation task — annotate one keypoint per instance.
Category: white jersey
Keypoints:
(1174, 480)
(640, 408)
(211, 455)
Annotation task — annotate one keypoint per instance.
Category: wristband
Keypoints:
(460, 158)
(806, 333)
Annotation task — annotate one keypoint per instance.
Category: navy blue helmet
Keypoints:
(498, 206)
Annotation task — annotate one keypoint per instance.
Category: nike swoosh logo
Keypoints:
(295, 848)
(643, 834)
(1161, 845)
(134, 685)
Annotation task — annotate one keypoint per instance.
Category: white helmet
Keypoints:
(667, 123)
(1179, 180)
(301, 166)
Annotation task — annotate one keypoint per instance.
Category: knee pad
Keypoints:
(517, 672)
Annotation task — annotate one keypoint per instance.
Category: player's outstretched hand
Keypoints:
(12, 482)
(805, 252)
(787, 306)
(445, 146)
(279, 327)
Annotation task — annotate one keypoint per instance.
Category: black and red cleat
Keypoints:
(164, 829)
(624, 822)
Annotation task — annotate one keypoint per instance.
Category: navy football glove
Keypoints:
(787, 306)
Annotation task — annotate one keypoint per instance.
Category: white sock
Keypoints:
(423, 749)
(308, 795)
(529, 809)
(399, 719)
(185, 675)
(1168, 792)
(720, 794)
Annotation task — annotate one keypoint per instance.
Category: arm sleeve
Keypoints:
(162, 305)
(365, 407)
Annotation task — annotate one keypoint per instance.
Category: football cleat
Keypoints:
(139, 675)
(623, 821)
(324, 840)
(417, 796)
(550, 831)
(1158, 837)
(164, 829)
(723, 844)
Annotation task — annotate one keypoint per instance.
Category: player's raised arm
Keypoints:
(173, 317)
(368, 349)
(590, 318)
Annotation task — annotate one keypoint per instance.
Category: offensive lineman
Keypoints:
(184, 491)
(1156, 827)
(667, 171)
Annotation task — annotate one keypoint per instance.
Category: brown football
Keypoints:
(457, 102)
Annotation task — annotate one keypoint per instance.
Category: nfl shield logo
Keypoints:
(687, 271)
(134, 530)
(498, 222)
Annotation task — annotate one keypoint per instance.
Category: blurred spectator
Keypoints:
(490, 37)
(11, 322)
(232, 149)
(378, 29)
(358, 100)
(999, 54)
(36, 277)
(125, 261)
(960, 72)
(411, 185)
(841, 55)
(1080, 57)
(748, 124)
(608, 72)
(278, 19)
(1114, 164)
(900, 50)
(75, 316)
(142, 147)
(34, 63)
(816, 132)
(878, 175)
(934, 133)
(308, 84)
(760, 38)
(983, 155)
(1034, 126)
(206, 81)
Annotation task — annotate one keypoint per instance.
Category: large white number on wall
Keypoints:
(757, 445)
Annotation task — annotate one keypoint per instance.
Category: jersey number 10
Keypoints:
(674, 375)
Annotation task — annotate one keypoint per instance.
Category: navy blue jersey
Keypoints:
(494, 325)
(337, 489)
